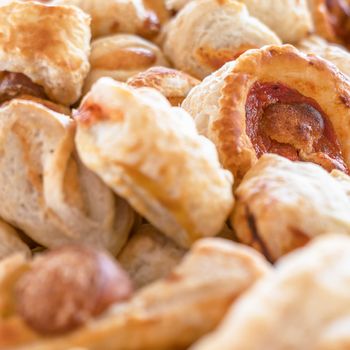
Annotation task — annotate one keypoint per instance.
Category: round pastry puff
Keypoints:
(304, 305)
(289, 19)
(331, 19)
(275, 100)
(336, 54)
(281, 205)
(120, 57)
(173, 84)
(171, 313)
(117, 16)
(48, 44)
(208, 33)
(150, 153)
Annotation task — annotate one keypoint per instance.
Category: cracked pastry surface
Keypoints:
(336, 54)
(192, 300)
(173, 84)
(275, 100)
(149, 255)
(117, 16)
(120, 57)
(281, 205)
(43, 51)
(304, 305)
(206, 34)
(46, 191)
(151, 154)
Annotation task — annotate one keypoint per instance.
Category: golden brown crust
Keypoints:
(117, 16)
(173, 84)
(208, 33)
(48, 44)
(120, 57)
(281, 205)
(289, 19)
(334, 53)
(226, 91)
(155, 159)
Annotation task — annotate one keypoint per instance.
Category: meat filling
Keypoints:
(13, 85)
(280, 120)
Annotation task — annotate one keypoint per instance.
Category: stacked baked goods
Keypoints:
(174, 174)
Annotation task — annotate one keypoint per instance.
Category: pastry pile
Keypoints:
(174, 174)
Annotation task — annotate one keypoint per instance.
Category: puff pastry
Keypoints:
(192, 300)
(206, 34)
(281, 205)
(10, 242)
(151, 154)
(117, 16)
(275, 100)
(289, 19)
(120, 57)
(332, 19)
(44, 188)
(304, 305)
(173, 84)
(331, 52)
(149, 256)
(45, 51)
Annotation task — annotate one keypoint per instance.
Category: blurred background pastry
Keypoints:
(194, 296)
(333, 53)
(208, 33)
(332, 20)
(302, 305)
(120, 57)
(289, 19)
(117, 16)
